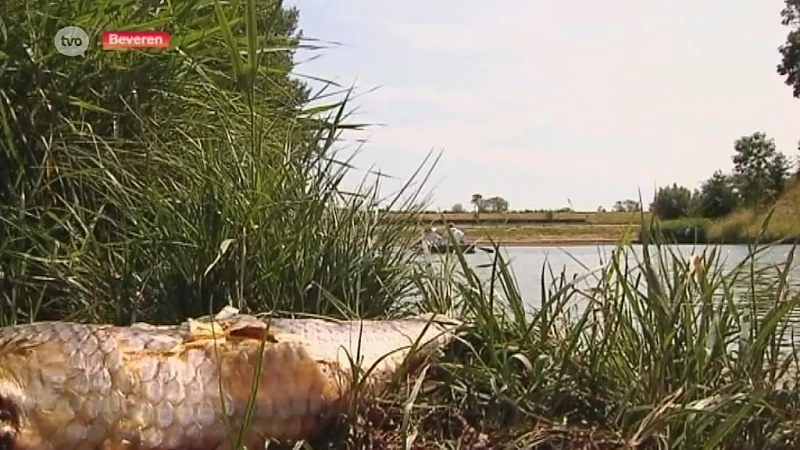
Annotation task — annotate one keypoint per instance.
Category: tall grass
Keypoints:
(652, 354)
(153, 186)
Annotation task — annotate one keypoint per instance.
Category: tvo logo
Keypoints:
(71, 41)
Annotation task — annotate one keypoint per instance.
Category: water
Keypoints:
(527, 264)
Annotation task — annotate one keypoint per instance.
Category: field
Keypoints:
(537, 228)
(548, 234)
(520, 218)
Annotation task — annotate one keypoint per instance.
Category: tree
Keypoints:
(717, 196)
(694, 204)
(779, 168)
(789, 66)
(477, 203)
(797, 163)
(495, 204)
(755, 163)
(457, 208)
(601, 209)
(627, 206)
(672, 202)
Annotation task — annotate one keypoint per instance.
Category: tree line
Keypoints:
(480, 204)
(759, 175)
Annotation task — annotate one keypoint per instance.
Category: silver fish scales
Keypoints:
(78, 386)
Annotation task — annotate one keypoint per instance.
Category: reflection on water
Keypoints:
(528, 263)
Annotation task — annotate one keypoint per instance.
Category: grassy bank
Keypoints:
(518, 218)
(546, 234)
(223, 190)
(680, 363)
(779, 222)
(533, 228)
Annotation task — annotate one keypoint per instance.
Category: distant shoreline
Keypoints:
(544, 242)
(572, 235)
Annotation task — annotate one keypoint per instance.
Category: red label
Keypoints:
(120, 40)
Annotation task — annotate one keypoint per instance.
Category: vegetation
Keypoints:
(594, 218)
(531, 228)
(683, 230)
(143, 186)
(491, 204)
(156, 185)
(726, 208)
(627, 206)
(760, 172)
(672, 202)
(717, 196)
(664, 357)
(778, 223)
(759, 176)
(789, 66)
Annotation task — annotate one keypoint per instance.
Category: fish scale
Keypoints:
(99, 387)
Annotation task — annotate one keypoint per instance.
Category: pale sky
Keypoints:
(541, 101)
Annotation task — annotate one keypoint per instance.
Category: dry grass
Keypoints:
(603, 218)
(747, 224)
(546, 233)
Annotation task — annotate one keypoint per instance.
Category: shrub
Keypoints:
(672, 202)
(679, 231)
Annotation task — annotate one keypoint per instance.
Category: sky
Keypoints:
(548, 103)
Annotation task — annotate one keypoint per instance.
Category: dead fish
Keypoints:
(80, 386)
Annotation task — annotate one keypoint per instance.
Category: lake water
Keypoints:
(527, 263)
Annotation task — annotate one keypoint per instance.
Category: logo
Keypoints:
(123, 40)
(71, 41)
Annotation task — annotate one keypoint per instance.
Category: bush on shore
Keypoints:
(679, 231)
(780, 222)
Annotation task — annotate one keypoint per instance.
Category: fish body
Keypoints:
(72, 386)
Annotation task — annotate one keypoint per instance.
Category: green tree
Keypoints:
(496, 204)
(779, 169)
(672, 202)
(457, 208)
(797, 161)
(627, 206)
(717, 196)
(789, 66)
(755, 167)
(694, 204)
